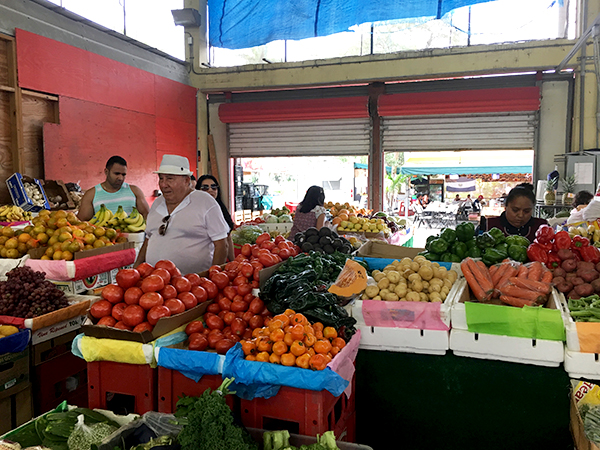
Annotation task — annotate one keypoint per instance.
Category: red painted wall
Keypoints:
(106, 108)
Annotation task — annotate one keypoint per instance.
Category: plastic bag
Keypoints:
(592, 210)
(83, 436)
(162, 424)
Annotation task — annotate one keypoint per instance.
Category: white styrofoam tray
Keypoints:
(408, 340)
(539, 352)
(570, 325)
(582, 365)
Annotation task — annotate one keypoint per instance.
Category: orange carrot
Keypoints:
(472, 281)
(497, 275)
(516, 291)
(494, 269)
(480, 275)
(535, 271)
(523, 271)
(485, 271)
(547, 277)
(511, 271)
(514, 301)
(532, 285)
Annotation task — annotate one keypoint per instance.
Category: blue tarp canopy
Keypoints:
(464, 170)
(236, 24)
(388, 169)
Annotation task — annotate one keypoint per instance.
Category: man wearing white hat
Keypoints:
(184, 225)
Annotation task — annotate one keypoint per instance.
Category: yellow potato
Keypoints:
(379, 276)
(372, 290)
(413, 297)
(393, 276)
(383, 283)
(8, 330)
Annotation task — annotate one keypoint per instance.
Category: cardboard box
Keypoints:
(19, 196)
(14, 372)
(54, 346)
(16, 409)
(380, 249)
(37, 253)
(84, 286)
(164, 325)
(78, 305)
(581, 440)
(55, 189)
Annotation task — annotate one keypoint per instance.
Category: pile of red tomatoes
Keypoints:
(235, 312)
(143, 295)
(268, 252)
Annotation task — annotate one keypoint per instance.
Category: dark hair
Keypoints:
(521, 190)
(582, 198)
(192, 177)
(226, 214)
(115, 160)
(314, 196)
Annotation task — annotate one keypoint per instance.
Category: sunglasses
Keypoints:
(163, 228)
(206, 187)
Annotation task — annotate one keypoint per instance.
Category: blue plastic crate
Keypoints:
(19, 195)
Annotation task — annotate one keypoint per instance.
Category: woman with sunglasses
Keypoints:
(208, 183)
(310, 212)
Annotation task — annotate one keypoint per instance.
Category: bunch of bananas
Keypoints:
(13, 213)
(132, 223)
(590, 230)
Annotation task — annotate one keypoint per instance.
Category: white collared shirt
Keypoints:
(193, 227)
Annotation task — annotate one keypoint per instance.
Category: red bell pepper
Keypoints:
(544, 234)
(590, 254)
(535, 252)
(548, 246)
(553, 261)
(562, 240)
(580, 241)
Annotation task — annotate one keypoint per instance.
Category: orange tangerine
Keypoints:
(298, 348)
(322, 346)
(303, 361)
(338, 342)
(330, 333)
(263, 357)
(275, 359)
(277, 335)
(287, 359)
(279, 348)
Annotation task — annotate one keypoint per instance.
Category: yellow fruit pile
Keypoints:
(60, 232)
(344, 210)
(8, 330)
(361, 224)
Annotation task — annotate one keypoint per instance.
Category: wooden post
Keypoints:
(15, 105)
(212, 156)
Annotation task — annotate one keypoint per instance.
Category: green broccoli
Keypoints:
(209, 424)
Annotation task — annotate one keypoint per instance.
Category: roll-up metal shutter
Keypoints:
(474, 131)
(300, 138)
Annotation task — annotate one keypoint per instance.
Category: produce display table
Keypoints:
(452, 402)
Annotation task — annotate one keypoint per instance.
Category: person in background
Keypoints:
(208, 183)
(113, 192)
(425, 200)
(582, 199)
(184, 225)
(517, 216)
(457, 198)
(478, 203)
(310, 212)
(193, 181)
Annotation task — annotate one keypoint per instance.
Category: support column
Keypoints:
(376, 158)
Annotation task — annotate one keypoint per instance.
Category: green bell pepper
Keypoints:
(448, 234)
(455, 258)
(447, 257)
(431, 256)
(474, 252)
(429, 239)
(492, 256)
(485, 240)
(498, 235)
(465, 231)
(438, 246)
(517, 240)
(472, 243)
(503, 249)
(460, 249)
(517, 252)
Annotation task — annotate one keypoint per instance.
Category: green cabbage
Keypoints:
(285, 218)
(246, 234)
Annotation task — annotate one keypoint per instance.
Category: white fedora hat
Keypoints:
(174, 165)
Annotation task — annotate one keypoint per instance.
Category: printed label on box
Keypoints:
(80, 286)
(10, 384)
(58, 329)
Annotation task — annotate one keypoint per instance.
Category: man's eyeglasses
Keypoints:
(206, 187)
(163, 228)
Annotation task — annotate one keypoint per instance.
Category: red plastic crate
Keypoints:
(58, 379)
(173, 384)
(300, 411)
(134, 380)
